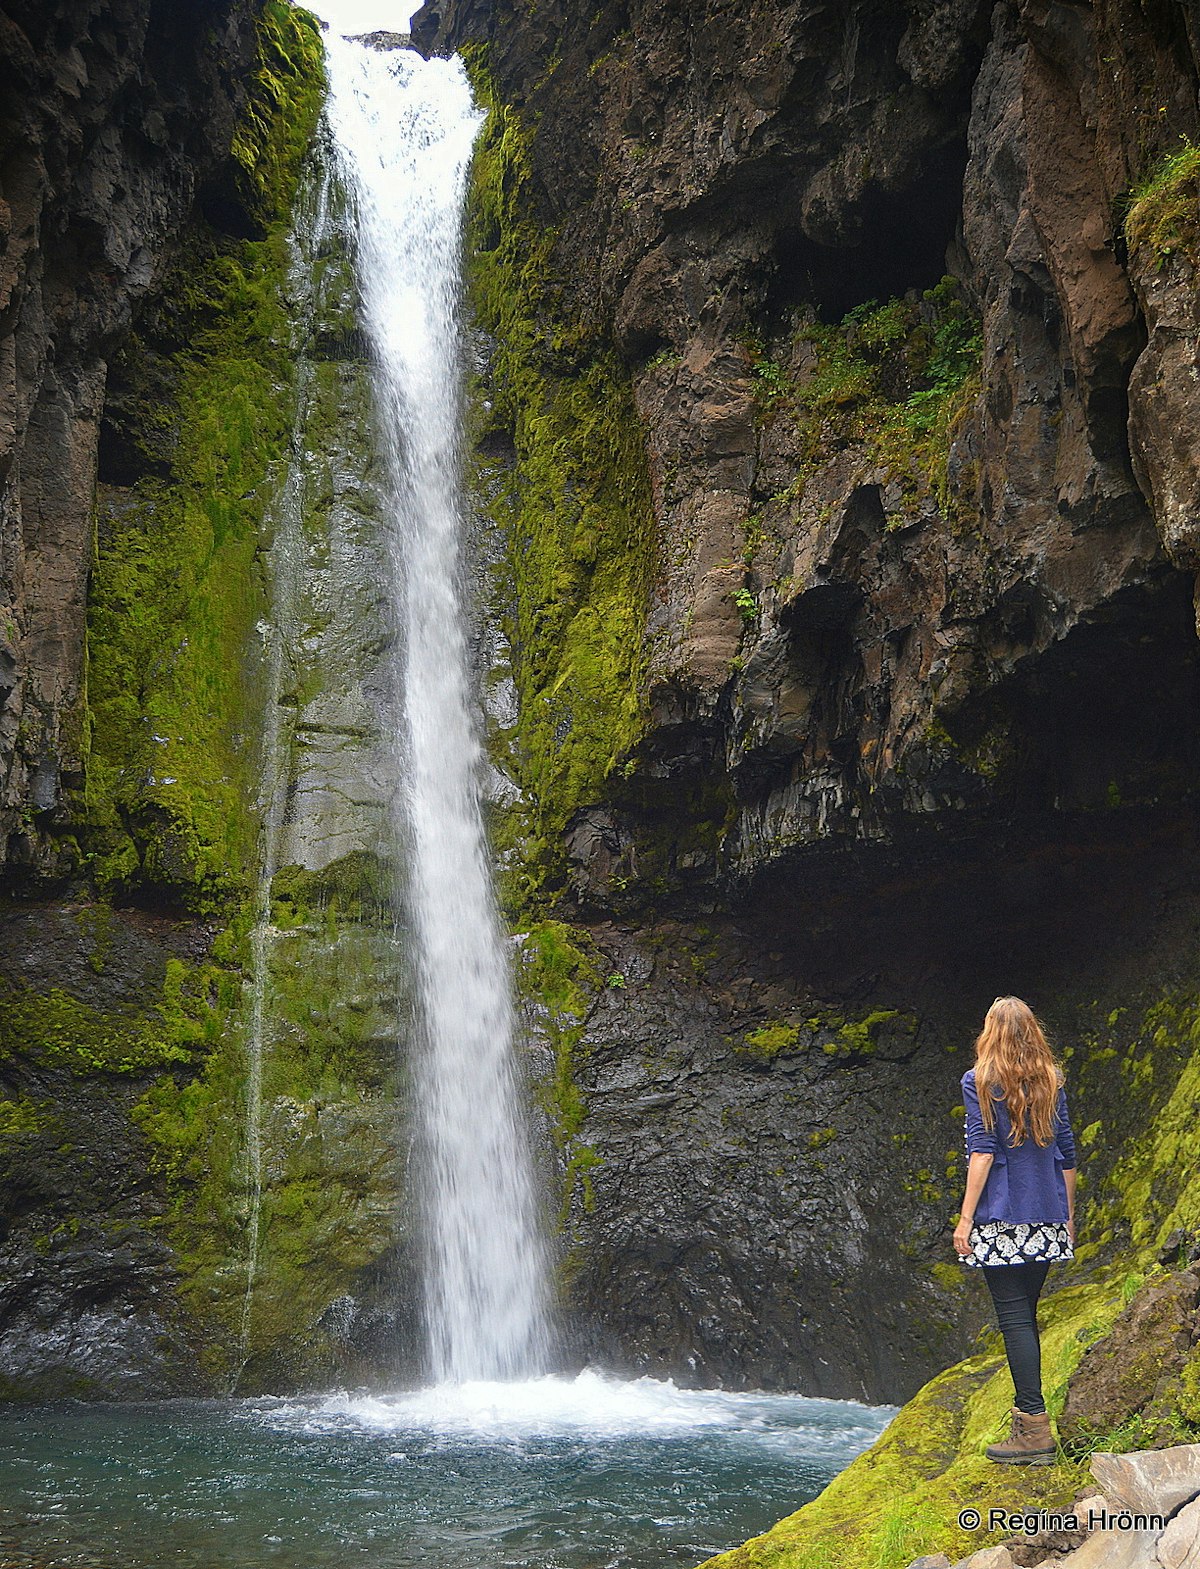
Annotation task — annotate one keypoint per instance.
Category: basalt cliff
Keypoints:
(833, 398)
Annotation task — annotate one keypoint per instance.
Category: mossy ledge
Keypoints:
(902, 1497)
(1161, 209)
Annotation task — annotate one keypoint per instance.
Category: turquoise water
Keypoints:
(586, 1473)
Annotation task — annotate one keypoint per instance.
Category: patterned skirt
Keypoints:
(1003, 1242)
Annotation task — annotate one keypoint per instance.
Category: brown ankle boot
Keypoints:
(1030, 1441)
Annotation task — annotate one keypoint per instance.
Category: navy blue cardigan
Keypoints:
(1025, 1182)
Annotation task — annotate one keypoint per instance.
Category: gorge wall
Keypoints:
(831, 367)
(200, 992)
(832, 374)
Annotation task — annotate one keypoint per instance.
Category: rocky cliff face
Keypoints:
(833, 380)
(200, 990)
(117, 123)
(854, 581)
(897, 304)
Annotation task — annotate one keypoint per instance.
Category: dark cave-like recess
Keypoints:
(902, 240)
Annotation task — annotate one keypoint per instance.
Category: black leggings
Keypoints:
(1015, 1289)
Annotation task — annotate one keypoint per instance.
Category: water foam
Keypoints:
(403, 129)
(594, 1408)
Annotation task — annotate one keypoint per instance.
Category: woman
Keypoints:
(1018, 1213)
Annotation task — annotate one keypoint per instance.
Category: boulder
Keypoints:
(1179, 1545)
(1150, 1481)
(1120, 1375)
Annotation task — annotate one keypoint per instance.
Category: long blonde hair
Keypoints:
(1014, 1060)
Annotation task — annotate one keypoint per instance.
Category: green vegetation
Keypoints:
(1162, 214)
(747, 605)
(331, 1185)
(572, 511)
(1150, 1192)
(358, 886)
(902, 1497)
(286, 94)
(771, 1039)
(559, 979)
(898, 377)
(176, 589)
(20, 1119)
(833, 1033)
(57, 1031)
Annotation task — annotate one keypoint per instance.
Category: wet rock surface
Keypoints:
(146, 1251)
(772, 1099)
(906, 719)
(117, 120)
(88, 1304)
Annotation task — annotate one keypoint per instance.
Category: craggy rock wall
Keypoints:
(201, 978)
(840, 611)
(116, 120)
(834, 368)
(833, 376)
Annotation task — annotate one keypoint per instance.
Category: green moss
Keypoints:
(770, 1039)
(1150, 1189)
(902, 1497)
(58, 1031)
(572, 507)
(207, 410)
(21, 1119)
(832, 1032)
(1189, 1389)
(950, 1277)
(1163, 211)
(359, 885)
(860, 1035)
(176, 590)
(559, 977)
(330, 1184)
(286, 93)
(899, 377)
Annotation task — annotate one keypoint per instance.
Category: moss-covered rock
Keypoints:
(885, 1030)
(558, 975)
(204, 403)
(903, 1496)
(896, 380)
(560, 470)
(226, 1064)
(1128, 1391)
(1162, 212)
(283, 1161)
(324, 1199)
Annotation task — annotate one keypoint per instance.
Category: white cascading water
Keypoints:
(403, 130)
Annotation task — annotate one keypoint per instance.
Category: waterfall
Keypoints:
(403, 130)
